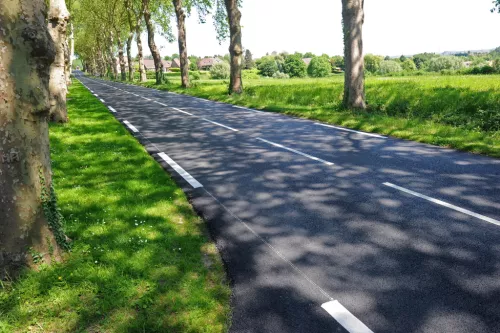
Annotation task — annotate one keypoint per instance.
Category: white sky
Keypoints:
(392, 27)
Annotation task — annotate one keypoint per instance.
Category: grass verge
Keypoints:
(141, 260)
(461, 112)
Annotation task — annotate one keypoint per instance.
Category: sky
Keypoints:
(392, 27)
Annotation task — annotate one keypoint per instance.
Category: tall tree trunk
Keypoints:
(112, 60)
(235, 48)
(101, 63)
(58, 21)
(151, 42)
(181, 28)
(71, 53)
(130, 61)
(354, 85)
(121, 58)
(25, 172)
(140, 57)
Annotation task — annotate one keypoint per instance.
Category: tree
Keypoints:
(58, 22)
(181, 29)
(421, 60)
(26, 219)
(496, 6)
(308, 55)
(402, 58)
(235, 48)
(319, 67)
(408, 65)
(390, 66)
(445, 63)
(338, 62)
(354, 83)
(220, 70)
(295, 66)
(267, 66)
(151, 42)
(249, 63)
(372, 63)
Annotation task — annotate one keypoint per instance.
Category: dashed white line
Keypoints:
(296, 151)
(132, 127)
(241, 107)
(218, 124)
(179, 110)
(101, 100)
(187, 177)
(111, 109)
(147, 99)
(350, 130)
(445, 204)
(160, 103)
(345, 318)
(96, 95)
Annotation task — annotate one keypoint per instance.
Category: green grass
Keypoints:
(141, 260)
(461, 112)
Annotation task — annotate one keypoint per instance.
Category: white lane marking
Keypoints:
(350, 130)
(160, 103)
(187, 177)
(345, 318)
(179, 110)
(147, 99)
(96, 95)
(295, 151)
(132, 127)
(89, 90)
(241, 107)
(445, 204)
(111, 109)
(213, 122)
(101, 100)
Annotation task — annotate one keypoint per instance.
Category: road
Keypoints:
(323, 229)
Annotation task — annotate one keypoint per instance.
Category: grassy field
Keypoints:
(140, 261)
(462, 112)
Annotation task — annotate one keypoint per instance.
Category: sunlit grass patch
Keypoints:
(137, 262)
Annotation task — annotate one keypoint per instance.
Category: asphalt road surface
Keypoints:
(325, 229)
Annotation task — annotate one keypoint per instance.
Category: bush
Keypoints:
(175, 70)
(195, 75)
(267, 66)
(408, 65)
(319, 67)
(279, 75)
(294, 66)
(250, 74)
(193, 66)
(439, 63)
(372, 63)
(389, 66)
(220, 70)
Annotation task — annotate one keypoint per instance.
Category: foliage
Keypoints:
(496, 4)
(294, 66)
(280, 75)
(138, 250)
(267, 66)
(250, 74)
(372, 63)
(309, 55)
(439, 63)
(175, 70)
(422, 59)
(220, 70)
(195, 75)
(319, 67)
(408, 65)
(249, 63)
(338, 62)
(389, 66)
(193, 66)
(402, 58)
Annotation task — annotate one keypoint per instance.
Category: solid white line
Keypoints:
(350, 130)
(241, 107)
(213, 122)
(101, 100)
(111, 109)
(445, 204)
(296, 151)
(132, 127)
(160, 103)
(179, 110)
(187, 177)
(345, 318)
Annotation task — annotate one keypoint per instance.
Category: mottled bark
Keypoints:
(71, 42)
(58, 21)
(354, 85)
(101, 63)
(121, 58)
(181, 28)
(235, 48)
(151, 42)
(130, 38)
(26, 53)
(112, 60)
(140, 56)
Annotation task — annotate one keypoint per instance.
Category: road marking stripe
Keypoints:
(345, 318)
(160, 103)
(241, 107)
(132, 127)
(445, 204)
(350, 130)
(96, 95)
(213, 122)
(179, 110)
(187, 177)
(101, 100)
(111, 109)
(147, 99)
(296, 151)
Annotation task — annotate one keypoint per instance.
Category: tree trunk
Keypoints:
(129, 57)
(354, 85)
(121, 58)
(112, 60)
(58, 21)
(25, 173)
(152, 45)
(183, 56)
(140, 56)
(71, 53)
(235, 49)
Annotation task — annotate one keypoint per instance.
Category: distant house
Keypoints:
(306, 61)
(207, 63)
(176, 63)
(149, 65)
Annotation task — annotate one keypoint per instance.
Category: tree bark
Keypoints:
(121, 58)
(140, 57)
(354, 85)
(181, 28)
(130, 38)
(71, 53)
(58, 21)
(112, 60)
(27, 51)
(151, 42)
(235, 48)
